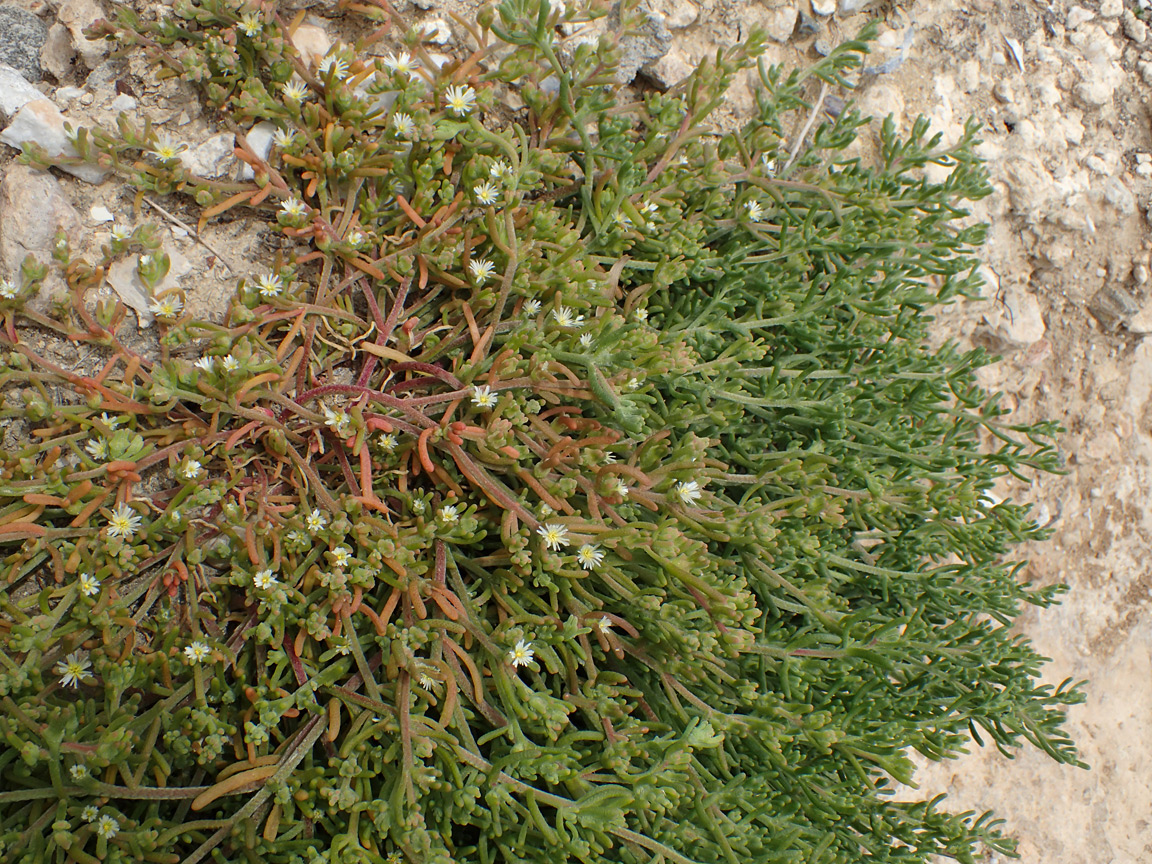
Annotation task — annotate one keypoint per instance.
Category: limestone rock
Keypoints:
(823, 8)
(77, 15)
(57, 54)
(32, 209)
(669, 70)
(649, 44)
(15, 92)
(212, 158)
(1078, 15)
(41, 122)
(259, 139)
(312, 42)
(1019, 320)
(677, 14)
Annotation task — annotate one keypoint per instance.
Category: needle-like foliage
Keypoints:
(581, 489)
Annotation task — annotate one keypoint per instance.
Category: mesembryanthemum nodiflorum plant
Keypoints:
(581, 490)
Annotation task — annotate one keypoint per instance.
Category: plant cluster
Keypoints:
(580, 490)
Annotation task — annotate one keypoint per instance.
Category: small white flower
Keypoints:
(589, 556)
(197, 652)
(145, 261)
(486, 193)
(107, 827)
(641, 315)
(481, 270)
(342, 646)
(79, 772)
(89, 585)
(264, 579)
(403, 63)
(648, 209)
(270, 285)
(633, 383)
(296, 90)
(531, 307)
(7, 289)
(315, 521)
(403, 126)
(426, 681)
(605, 624)
(769, 164)
(355, 237)
(293, 207)
(191, 469)
(586, 340)
(167, 307)
(609, 458)
(120, 233)
(89, 813)
(283, 138)
(230, 363)
(97, 448)
(545, 510)
(622, 219)
(336, 65)
(689, 491)
(565, 317)
(448, 514)
(621, 489)
(755, 211)
(73, 669)
(387, 442)
(418, 506)
(206, 363)
(250, 24)
(124, 522)
(341, 555)
(337, 420)
(166, 149)
(483, 397)
(460, 100)
(522, 654)
(555, 536)
(499, 170)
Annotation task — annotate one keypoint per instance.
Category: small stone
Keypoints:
(1095, 92)
(1140, 274)
(259, 139)
(1003, 91)
(423, 4)
(1021, 321)
(1119, 196)
(780, 23)
(824, 7)
(679, 14)
(669, 70)
(312, 42)
(648, 42)
(57, 54)
(849, 7)
(32, 209)
(123, 102)
(1110, 25)
(1144, 169)
(77, 15)
(1134, 28)
(125, 281)
(436, 31)
(100, 213)
(64, 95)
(1111, 8)
(1078, 15)
(15, 92)
(40, 121)
(22, 35)
(212, 158)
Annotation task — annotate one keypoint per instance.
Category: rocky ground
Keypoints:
(1062, 92)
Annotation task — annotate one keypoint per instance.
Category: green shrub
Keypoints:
(583, 490)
